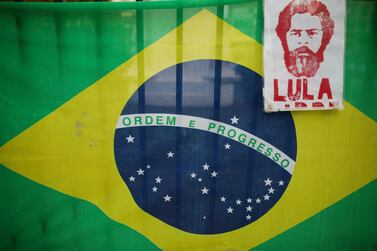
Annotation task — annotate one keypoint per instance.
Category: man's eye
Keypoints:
(296, 33)
(312, 33)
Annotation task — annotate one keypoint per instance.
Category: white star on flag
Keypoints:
(227, 146)
(132, 178)
(167, 197)
(170, 154)
(249, 208)
(271, 190)
(130, 139)
(223, 199)
(248, 217)
(214, 174)
(204, 190)
(268, 182)
(249, 200)
(200, 180)
(258, 200)
(281, 183)
(205, 167)
(266, 197)
(154, 189)
(158, 179)
(238, 202)
(148, 166)
(193, 175)
(140, 171)
(230, 210)
(234, 120)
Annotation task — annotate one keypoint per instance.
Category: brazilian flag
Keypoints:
(140, 126)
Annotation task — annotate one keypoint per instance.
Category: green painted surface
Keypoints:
(349, 225)
(34, 217)
(361, 56)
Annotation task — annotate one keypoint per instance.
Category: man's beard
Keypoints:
(302, 62)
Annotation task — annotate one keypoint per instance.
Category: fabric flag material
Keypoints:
(158, 139)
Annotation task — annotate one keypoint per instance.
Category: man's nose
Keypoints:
(303, 39)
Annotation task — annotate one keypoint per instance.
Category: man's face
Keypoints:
(306, 30)
(304, 40)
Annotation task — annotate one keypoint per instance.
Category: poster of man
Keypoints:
(303, 54)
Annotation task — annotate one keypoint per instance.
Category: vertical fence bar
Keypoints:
(141, 93)
(216, 103)
(179, 78)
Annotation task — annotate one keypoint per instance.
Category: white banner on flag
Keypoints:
(303, 54)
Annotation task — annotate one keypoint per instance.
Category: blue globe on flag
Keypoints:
(197, 151)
